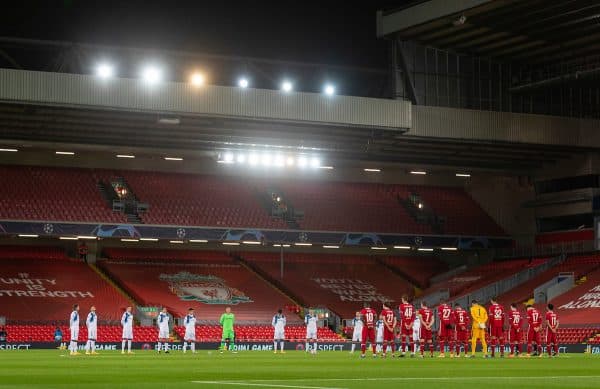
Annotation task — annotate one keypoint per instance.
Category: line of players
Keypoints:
(162, 322)
(456, 327)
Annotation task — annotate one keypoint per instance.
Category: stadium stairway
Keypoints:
(114, 284)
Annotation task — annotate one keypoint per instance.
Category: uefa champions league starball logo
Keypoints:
(48, 228)
(206, 289)
(181, 233)
(303, 237)
(418, 240)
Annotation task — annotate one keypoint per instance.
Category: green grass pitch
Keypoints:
(296, 369)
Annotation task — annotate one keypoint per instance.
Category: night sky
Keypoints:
(321, 32)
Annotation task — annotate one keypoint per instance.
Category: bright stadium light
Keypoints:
(105, 71)
(279, 161)
(287, 86)
(198, 241)
(241, 158)
(228, 157)
(402, 247)
(151, 75)
(378, 248)
(9, 150)
(197, 79)
(149, 239)
(329, 90)
(465, 175)
(372, 170)
(28, 235)
(64, 153)
(290, 161)
(418, 172)
(266, 159)
(302, 161)
(253, 159)
(424, 249)
(315, 163)
(243, 82)
(449, 248)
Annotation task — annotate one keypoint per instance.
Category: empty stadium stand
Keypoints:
(54, 194)
(45, 333)
(187, 199)
(463, 215)
(579, 265)
(480, 276)
(416, 269)
(339, 282)
(40, 285)
(580, 305)
(188, 277)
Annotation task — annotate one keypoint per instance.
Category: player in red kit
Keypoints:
(551, 331)
(426, 318)
(369, 316)
(389, 328)
(534, 330)
(496, 315)
(461, 322)
(407, 318)
(446, 318)
(515, 333)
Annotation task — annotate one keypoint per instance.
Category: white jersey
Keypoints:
(190, 328)
(357, 323)
(74, 319)
(163, 325)
(311, 326)
(416, 329)
(278, 324)
(127, 323)
(379, 331)
(74, 325)
(92, 325)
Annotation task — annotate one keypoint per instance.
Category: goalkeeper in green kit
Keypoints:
(228, 337)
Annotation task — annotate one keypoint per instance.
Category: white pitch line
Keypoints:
(263, 385)
(429, 378)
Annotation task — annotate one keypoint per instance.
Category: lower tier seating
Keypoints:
(208, 284)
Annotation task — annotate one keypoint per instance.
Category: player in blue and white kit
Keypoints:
(92, 328)
(278, 324)
(190, 331)
(162, 321)
(311, 331)
(74, 329)
(416, 335)
(127, 323)
(357, 324)
(379, 334)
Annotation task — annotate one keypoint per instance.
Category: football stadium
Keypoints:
(179, 217)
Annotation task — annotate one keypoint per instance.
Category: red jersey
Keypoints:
(369, 315)
(388, 317)
(407, 314)
(426, 315)
(534, 318)
(496, 315)
(514, 319)
(445, 314)
(461, 318)
(551, 319)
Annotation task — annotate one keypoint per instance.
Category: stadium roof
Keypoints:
(534, 31)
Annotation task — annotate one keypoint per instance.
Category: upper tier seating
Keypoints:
(187, 199)
(188, 276)
(54, 194)
(38, 288)
(69, 194)
(339, 282)
(463, 214)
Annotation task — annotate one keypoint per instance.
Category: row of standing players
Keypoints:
(456, 327)
(227, 321)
